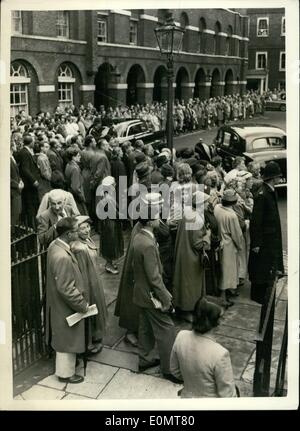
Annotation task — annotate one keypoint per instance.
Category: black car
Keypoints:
(256, 142)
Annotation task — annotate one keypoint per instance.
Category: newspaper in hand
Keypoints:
(76, 317)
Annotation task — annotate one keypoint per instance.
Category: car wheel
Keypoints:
(282, 108)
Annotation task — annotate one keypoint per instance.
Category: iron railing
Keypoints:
(28, 272)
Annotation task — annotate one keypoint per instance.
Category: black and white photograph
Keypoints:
(149, 205)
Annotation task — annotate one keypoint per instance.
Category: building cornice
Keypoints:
(54, 39)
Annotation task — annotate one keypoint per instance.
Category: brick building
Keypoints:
(266, 68)
(111, 57)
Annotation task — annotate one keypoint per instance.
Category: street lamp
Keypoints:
(169, 38)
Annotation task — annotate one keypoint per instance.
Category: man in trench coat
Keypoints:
(265, 260)
(65, 295)
(155, 325)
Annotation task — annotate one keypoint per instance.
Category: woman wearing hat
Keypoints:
(86, 254)
(110, 228)
(74, 179)
(231, 243)
(191, 239)
(202, 363)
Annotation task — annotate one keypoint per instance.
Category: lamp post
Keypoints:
(169, 38)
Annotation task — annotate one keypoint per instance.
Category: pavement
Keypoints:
(113, 373)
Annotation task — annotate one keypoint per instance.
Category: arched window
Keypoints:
(229, 41)
(65, 86)
(202, 36)
(18, 89)
(184, 22)
(217, 37)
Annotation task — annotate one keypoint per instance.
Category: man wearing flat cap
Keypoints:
(265, 260)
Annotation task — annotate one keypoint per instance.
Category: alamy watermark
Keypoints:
(173, 202)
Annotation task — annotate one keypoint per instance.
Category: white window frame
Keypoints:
(135, 33)
(281, 69)
(282, 26)
(102, 19)
(19, 81)
(63, 24)
(16, 15)
(263, 18)
(65, 86)
(256, 60)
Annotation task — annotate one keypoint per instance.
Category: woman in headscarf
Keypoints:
(86, 254)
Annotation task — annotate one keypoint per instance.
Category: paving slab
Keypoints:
(52, 382)
(128, 385)
(19, 398)
(123, 346)
(242, 316)
(246, 389)
(75, 397)
(113, 332)
(280, 310)
(97, 373)
(87, 389)
(237, 333)
(278, 334)
(117, 359)
(38, 392)
(240, 353)
(248, 374)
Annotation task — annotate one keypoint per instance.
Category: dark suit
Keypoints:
(154, 325)
(15, 193)
(265, 233)
(57, 167)
(45, 225)
(30, 173)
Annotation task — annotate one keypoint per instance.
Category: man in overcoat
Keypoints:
(16, 187)
(65, 295)
(47, 220)
(265, 260)
(155, 325)
(30, 175)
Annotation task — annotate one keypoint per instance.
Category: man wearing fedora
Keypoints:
(150, 294)
(265, 260)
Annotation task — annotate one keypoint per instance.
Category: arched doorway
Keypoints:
(229, 86)
(199, 90)
(134, 93)
(160, 84)
(215, 86)
(102, 81)
(181, 78)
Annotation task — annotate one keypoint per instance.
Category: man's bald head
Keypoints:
(57, 198)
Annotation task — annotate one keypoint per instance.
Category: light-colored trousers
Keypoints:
(65, 364)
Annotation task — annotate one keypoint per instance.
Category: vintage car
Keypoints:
(275, 105)
(133, 130)
(256, 142)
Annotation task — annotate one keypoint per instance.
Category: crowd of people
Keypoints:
(62, 168)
